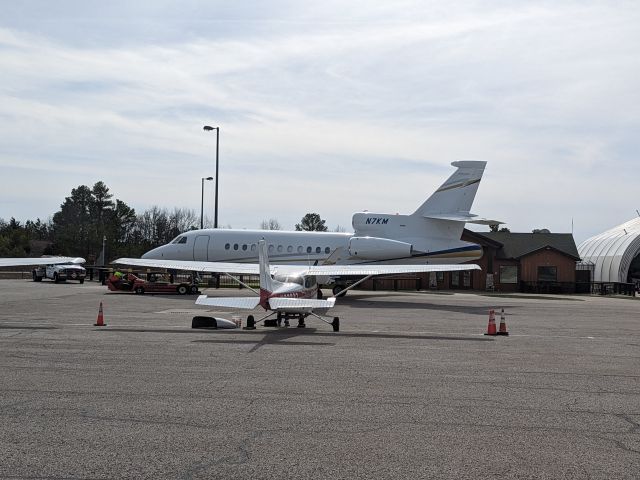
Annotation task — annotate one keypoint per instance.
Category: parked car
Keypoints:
(59, 273)
(135, 284)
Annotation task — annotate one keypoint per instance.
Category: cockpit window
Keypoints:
(179, 239)
(285, 279)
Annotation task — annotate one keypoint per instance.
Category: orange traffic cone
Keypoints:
(503, 324)
(491, 328)
(100, 321)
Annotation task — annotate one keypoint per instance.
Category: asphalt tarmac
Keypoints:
(409, 388)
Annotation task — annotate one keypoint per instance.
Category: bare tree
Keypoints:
(271, 224)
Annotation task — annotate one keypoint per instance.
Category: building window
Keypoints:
(466, 279)
(508, 274)
(547, 274)
(440, 277)
(455, 279)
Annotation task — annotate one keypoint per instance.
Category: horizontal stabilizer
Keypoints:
(460, 217)
(300, 304)
(247, 303)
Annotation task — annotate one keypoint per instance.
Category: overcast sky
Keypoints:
(330, 107)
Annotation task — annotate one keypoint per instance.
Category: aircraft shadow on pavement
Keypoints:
(282, 336)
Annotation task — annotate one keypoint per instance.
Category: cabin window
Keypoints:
(309, 282)
(235, 246)
(271, 248)
(227, 246)
(183, 240)
(244, 247)
(299, 248)
(279, 248)
(308, 249)
(318, 250)
(289, 249)
(253, 247)
(327, 249)
(176, 240)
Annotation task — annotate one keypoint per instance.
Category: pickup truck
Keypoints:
(59, 273)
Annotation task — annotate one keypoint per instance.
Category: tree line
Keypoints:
(90, 217)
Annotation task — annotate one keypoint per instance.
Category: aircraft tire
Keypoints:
(36, 278)
(251, 323)
(81, 281)
(337, 289)
(336, 324)
(193, 289)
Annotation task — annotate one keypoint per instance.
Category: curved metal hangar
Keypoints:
(615, 253)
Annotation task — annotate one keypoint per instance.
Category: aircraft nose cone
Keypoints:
(155, 254)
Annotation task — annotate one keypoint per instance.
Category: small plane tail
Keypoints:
(457, 193)
(266, 282)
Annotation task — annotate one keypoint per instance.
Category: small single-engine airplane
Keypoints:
(26, 261)
(287, 291)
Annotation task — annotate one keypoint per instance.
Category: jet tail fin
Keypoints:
(457, 193)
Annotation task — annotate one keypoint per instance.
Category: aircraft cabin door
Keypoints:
(201, 248)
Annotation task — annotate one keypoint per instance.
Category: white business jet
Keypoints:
(287, 291)
(429, 235)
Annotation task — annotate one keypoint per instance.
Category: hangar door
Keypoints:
(201, 248)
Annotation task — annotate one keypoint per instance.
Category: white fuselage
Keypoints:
(429, 242)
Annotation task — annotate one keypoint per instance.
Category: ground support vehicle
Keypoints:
(59, 273)
(135, 284)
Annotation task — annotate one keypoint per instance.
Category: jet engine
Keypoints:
(373, 248)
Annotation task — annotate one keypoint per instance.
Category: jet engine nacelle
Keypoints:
(373, 248)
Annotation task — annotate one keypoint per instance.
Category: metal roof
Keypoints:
(613, 251)
(517, 245)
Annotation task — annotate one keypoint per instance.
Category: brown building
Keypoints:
(511, 262)
(525, 262)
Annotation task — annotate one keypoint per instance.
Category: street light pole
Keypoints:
(202, 202)
(207, 128)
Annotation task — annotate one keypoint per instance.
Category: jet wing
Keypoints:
(213, 267)
(17, 262)
(328, 270)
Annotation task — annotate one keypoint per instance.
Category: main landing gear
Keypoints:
(282, 319)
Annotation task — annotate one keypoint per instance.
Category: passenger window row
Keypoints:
(279, 248)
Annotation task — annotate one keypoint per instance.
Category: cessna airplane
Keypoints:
(18, 262)
(429, 235)
(288, 291)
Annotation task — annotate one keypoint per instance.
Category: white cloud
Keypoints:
(338, 107)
